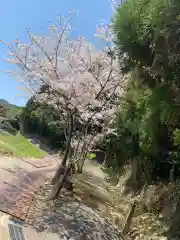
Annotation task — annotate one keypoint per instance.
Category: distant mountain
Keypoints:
(11, 109)
(4, 102)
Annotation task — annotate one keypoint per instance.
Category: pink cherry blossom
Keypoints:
(84, 83)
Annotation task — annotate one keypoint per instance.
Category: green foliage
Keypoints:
(5, 126)
(2, 111)
(45, 121)
(143, 133)
(147, 34)
(14, 122)
(91, 156)
(148, 121)
(10, 110)
(176, 137)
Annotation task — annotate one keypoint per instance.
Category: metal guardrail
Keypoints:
(16, 232)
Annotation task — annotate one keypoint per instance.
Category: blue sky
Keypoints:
(36, 14)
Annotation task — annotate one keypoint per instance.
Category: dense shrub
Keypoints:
(45, 121)
(147, 125)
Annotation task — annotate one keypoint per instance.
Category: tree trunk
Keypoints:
(135, 172)
(62, 166)
(171, 174)
(59, 171)
(80, 163)
(59, 184)
(21, 128)
(105, 162)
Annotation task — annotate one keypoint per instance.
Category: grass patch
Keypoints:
(19, 146)
(6, 149)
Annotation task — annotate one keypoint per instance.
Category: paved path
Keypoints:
(10, 162)
(98, 176)
(19, 180)
(5, 176)
(93, 169)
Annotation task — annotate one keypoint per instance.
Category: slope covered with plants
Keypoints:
(146, 131)
(11, 110)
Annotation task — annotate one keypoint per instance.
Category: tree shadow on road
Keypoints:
(75, 217)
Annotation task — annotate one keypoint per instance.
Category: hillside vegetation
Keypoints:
(18, 146)
(11, 109)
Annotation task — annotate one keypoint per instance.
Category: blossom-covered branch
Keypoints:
(83, 83)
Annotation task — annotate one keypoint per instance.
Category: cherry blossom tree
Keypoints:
(83, 83)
